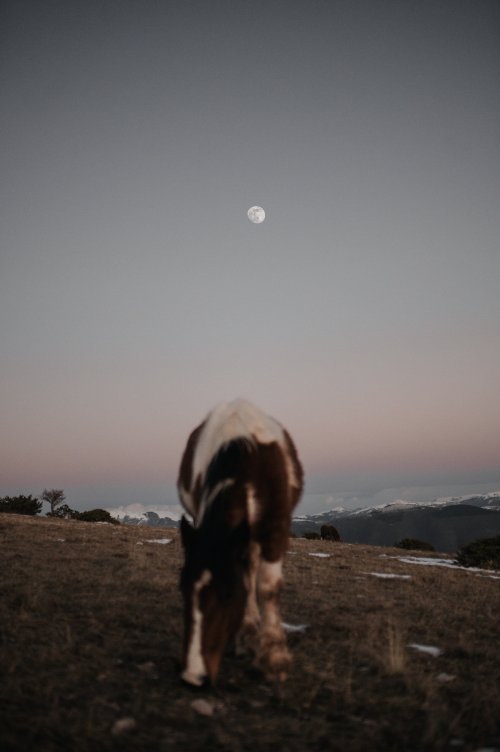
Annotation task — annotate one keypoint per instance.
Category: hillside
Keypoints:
(390, 654)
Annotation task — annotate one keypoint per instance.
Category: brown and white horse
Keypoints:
(239, 480)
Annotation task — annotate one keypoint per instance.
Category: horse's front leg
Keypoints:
(246, 640)
(273, 656)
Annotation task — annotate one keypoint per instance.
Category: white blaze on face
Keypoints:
(195, 670)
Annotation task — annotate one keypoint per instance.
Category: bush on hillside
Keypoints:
(64, 513)
(330, 532)
(413, 544)
(96, 515)
(484, 553)
(20, 505)
(310, 535)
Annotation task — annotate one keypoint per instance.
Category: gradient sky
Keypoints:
(364, 313)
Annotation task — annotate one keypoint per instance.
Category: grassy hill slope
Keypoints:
(91, 629)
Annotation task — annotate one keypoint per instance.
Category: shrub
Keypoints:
(96, 515)
(413, 544)
(310, 535)
(484, 553)
(65, 513)
(330, 532)
(20, 505)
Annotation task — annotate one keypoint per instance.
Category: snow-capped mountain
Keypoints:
(485, 501)
(154, 516)
(444, 523)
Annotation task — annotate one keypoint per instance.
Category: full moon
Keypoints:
(256, 214)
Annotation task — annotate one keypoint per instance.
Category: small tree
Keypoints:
(54, 497)
(20, 505)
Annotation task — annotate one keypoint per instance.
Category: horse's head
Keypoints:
(214, 589)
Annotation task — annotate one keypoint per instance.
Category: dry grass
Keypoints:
(91, 627)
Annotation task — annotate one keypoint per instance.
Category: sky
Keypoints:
(363, 313)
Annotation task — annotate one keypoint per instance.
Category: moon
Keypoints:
(256, 214)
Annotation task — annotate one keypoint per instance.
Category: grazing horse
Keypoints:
(239, 480)
(329, 532)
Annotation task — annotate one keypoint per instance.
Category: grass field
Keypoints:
(90, 625)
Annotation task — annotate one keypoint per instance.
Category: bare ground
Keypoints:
(90, 630)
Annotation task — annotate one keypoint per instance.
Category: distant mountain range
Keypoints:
(447, 524)
(154, 515)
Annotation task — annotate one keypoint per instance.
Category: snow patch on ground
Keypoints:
(444, 677)
(321, 556)
(389, 575)
(163, 541)
(293, 627)
(204, 707)
(429, 562)
(427, 649)
(123, 726)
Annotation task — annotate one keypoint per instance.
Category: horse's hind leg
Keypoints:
(273, 656)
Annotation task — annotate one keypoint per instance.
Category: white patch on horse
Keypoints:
(252, 505)
(273, 570)
(290, 471)
(251, 618)
(270, 575)
(187, 500)
(233, 420)
(195, 665)
(207, 500)
(270, 578)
